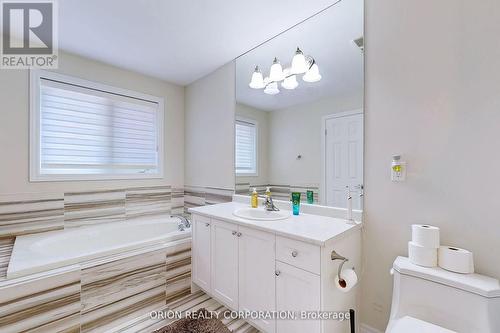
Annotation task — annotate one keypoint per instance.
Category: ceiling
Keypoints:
(328, 37)
(177, 41)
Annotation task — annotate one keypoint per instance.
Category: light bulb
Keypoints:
(272, 88)
(257, 81)
(290, 82)
(299, 63)
(312, 75)
(276, 72)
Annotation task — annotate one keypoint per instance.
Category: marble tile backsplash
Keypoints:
(142, 201)
(280, 192)
(88, 208)
(201, 196)
(22, 214)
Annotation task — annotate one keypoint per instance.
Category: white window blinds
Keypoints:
(87, 131)
(246, 147)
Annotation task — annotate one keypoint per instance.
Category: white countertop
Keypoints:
(315, 229)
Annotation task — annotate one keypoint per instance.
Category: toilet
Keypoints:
(434, 300)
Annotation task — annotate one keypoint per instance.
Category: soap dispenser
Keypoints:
(255, 198)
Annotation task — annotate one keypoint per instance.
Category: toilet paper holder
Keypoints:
(336, 256)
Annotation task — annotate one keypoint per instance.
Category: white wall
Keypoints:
(209, 133)
(14, 126)
(263, 143)
(432, 95)
(297, 130)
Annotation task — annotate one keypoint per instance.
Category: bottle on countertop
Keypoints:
(255, 198)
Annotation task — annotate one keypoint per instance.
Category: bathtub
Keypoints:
(49, 250)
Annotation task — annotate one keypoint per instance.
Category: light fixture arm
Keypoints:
(311, 61)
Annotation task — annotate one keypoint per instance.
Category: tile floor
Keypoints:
(191, 302)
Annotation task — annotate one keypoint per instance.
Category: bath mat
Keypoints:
(198, 325)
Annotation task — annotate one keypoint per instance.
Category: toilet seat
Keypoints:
(409, 324)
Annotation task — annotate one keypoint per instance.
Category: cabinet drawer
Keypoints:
(298, 254)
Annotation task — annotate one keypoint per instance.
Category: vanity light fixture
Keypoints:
(257, 81)
(290, 81)
(312, 75)
(272, 88)
(276, 71)
(301, 64)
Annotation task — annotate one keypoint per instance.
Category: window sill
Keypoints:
(69, 178)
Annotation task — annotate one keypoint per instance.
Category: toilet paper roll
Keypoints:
(425, 235)
(456, 260)
(348, 279)
(422, 256)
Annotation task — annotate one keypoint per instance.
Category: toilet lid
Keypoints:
(409, 324)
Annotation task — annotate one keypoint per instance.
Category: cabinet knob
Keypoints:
(295, 253)
(234, 233)
(207, 224)
(277, 272)
(238, 234)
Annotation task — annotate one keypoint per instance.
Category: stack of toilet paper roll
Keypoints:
(424, 245)
(424, 249)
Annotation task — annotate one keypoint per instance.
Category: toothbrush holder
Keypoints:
(310, 197)
(296, 202)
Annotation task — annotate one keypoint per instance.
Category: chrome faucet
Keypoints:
(183, 223)
(269, 204)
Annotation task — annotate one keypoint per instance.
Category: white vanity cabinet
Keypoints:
(224, 262)
(257, 274)
(201, 252)
(250, 269)
(297, 290)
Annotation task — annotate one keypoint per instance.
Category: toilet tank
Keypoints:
(460, 302)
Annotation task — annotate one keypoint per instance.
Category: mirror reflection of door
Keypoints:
(344, 158)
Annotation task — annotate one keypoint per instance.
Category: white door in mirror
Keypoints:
(260, 214)
(343, 158)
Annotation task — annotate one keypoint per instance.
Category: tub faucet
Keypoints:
(183, 223)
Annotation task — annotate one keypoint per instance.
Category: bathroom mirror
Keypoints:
(304, 132)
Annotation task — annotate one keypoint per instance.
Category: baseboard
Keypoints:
(363, 328)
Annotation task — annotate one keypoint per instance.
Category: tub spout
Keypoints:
(183, 223)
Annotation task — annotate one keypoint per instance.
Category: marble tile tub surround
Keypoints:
(148, 201)
(90, 208)
(120, 290)
(44, 303)
(6, 246)
(22, 214)
(104, 295)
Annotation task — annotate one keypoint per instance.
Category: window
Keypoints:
(246, 147)
(83, 130)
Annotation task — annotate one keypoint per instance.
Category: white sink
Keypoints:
(260, 214)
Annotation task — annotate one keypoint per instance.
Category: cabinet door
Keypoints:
(257, 275)
(201, 251)
(225, 263)
(297, 290)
